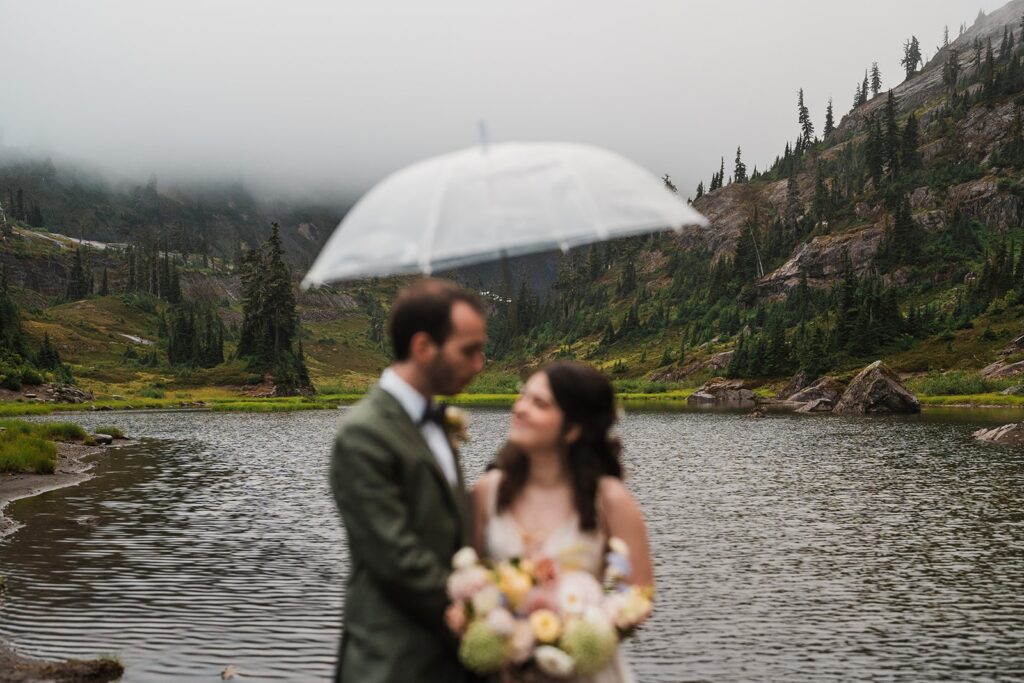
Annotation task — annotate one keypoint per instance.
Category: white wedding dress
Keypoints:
(505, 540)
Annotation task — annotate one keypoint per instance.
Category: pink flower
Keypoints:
(540, 597)
(455, 617)
(546, 570)
(521, 645)
(465, 583)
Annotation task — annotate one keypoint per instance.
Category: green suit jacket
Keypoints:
(404, 522)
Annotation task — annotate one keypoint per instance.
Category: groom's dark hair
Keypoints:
(426, 306)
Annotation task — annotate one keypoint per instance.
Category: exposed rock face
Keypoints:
(1012, 434)
(1003, 370)
(798, 382)
(826, 388)
(927, 84)
(822, 260)
(981, 199)
(722, 392)
(818, 405)
(877, 389)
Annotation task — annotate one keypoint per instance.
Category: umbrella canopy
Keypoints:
(490, 202)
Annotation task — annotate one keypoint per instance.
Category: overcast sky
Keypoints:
(333, 95)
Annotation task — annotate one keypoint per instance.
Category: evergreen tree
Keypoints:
(79, 284)
(48, 358)
(951, 69)
(911, 56)
(269, 319)
(829, 120)
(804, 117)
(910, 157)
(104, 285)
(740, 172)
(876, 79)
(864, 88)
(873, 153)
(891, 142)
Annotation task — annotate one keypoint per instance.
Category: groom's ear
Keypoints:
(421, 345)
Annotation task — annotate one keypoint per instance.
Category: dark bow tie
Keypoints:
(434, 412)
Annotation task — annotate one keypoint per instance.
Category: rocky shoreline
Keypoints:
(18, 668)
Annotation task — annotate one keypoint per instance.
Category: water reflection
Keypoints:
(787, 548)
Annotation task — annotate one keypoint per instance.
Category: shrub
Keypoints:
(31, 376)
(152, 392)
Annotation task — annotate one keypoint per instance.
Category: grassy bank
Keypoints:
(27, 447)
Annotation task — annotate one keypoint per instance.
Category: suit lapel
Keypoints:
(411, 435)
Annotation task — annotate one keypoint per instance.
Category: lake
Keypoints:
(794, 547)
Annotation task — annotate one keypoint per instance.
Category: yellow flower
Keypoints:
(515, 585)
(546, 625)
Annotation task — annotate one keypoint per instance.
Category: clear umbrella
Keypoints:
(497, 201)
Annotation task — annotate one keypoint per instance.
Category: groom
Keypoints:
(397, 482)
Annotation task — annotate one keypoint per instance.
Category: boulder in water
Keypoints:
(827, 388)
(877, 389)
(1012, 434)
(718, 391)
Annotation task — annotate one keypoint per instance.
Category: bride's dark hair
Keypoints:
(587, 400)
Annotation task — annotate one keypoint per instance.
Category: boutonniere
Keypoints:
(456, 425)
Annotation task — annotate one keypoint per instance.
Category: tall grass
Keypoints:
(110, 430)
(21, 452)
(958, 383)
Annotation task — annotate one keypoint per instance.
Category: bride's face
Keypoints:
(536, 418)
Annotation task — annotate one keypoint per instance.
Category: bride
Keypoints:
(558, 486)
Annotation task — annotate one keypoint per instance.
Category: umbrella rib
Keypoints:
(435, 219)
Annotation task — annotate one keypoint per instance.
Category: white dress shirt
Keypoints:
(415, 404)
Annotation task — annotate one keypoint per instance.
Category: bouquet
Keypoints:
(521, 613)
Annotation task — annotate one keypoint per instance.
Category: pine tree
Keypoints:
(891, 142)
(951, 69)
(270, 324)
(910, 157)
(911, 56)
(79, 283)
(104, 285)
(864, 88)
(829, 120)
(876, 79)
(740, 172)
(804, 117)
(873, 154)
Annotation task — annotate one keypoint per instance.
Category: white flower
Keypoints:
(465, 558)
(617, 545)
(554, 662)
(486, 599)
(501, 621)
(522, 642)
(577, 591)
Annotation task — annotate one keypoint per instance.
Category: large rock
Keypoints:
(877, 389)
(826, 388)
(722, 392)
(796, 383)
(818, 405)
(1012, 434)
(1003, 370)
(822, 260)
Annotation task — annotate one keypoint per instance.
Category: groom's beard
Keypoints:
(442, 377)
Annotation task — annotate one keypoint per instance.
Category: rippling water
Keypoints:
(789, 548)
